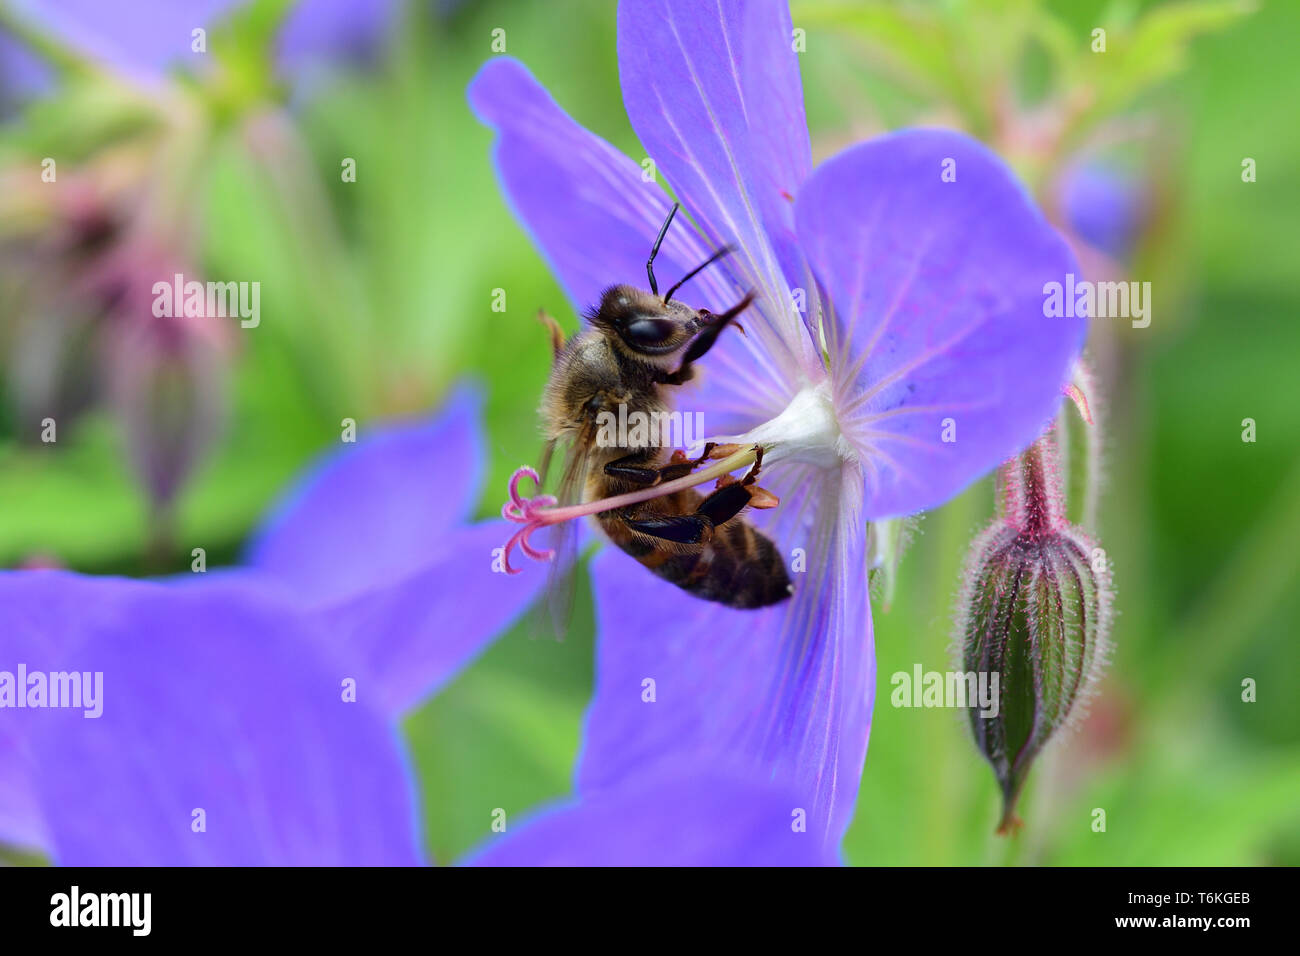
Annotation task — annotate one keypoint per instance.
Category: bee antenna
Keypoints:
(650, 263)
(725, 250)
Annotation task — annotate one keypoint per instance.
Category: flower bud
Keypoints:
(167, 380)
(1036, 610)
(165, 374)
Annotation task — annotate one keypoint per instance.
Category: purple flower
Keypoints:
(898, 351)
(319, 32)
(141, 39)
(20, 70)
(227, 692)
(145, 38)
(223, 737)
(1104, 206)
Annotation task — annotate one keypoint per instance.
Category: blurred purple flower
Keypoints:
(224, 691)
(1104, 206)
(21, 72)
(141, 39)
(146, 38)
(318, 33)
(224, 738)
(929, 296)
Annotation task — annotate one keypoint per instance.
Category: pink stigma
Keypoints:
(524, 511)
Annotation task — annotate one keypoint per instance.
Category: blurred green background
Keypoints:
(377, 299)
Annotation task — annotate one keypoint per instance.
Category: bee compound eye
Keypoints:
(648, 333)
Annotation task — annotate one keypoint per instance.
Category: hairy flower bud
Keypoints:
(1035, 610)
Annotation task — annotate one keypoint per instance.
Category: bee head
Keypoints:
(643, 324)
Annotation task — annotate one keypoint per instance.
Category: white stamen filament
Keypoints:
(806, 431)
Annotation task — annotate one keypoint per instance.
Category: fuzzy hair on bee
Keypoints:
(635, 348)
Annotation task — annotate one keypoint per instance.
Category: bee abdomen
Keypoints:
(740, 567)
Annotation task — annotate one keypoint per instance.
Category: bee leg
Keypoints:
(704, 341)
(553, 327)
(714, 511)
(681, 466)
(758, 497)
(680, 529)
(627, 469)
(701, 344)
(725, 503)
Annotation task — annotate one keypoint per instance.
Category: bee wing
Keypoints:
(563, 580)
(544, 466)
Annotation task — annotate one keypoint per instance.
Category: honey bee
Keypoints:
(638, 345)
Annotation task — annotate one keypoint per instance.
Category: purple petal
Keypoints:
(785, 691)
(211, 700)
(373, 513)
(21, 822)
(700, 819)
(713, 91)
(142, 38)
(146, 37)
(585, 204)
(35, 632)
(938, 292)
(414, 635)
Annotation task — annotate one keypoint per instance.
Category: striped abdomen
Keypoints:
(739, 567)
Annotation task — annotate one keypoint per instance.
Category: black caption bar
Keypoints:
(334, 906)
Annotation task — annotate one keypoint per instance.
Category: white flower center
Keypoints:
(807, 431)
